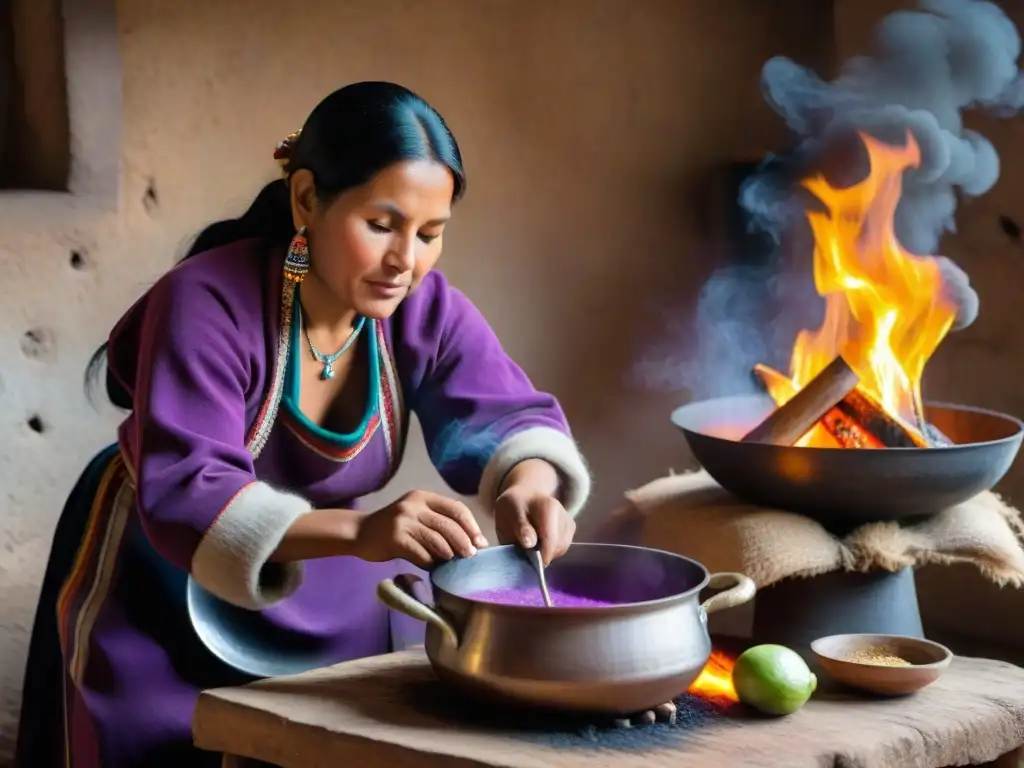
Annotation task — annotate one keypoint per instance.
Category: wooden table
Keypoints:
(390, 711)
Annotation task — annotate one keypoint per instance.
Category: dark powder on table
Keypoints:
(558, 730)
(531, 596)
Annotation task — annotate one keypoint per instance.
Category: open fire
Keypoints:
(858, 375)
(715, 681)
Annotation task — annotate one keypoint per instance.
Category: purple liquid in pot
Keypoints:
(531, 596)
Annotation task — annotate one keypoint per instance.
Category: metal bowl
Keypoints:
(843, 486)
(247, 642)
(640, 652)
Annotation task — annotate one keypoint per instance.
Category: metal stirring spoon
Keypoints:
(537, 561)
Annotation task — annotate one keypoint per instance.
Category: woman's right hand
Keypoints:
(420, 527)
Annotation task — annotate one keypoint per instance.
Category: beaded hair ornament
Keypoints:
(296, 263)
(283, 151)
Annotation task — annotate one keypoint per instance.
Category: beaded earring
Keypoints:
(296, 264)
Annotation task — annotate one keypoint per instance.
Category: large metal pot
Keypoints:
(643, 651)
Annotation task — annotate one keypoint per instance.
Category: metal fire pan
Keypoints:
(841, 487)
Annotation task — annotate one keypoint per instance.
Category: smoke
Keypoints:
(927, 67)
(739, 323)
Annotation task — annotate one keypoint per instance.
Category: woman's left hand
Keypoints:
(526, 516)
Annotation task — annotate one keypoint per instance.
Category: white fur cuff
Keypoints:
(231, 559)
(554, 447)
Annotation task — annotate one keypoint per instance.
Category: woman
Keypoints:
(270, 378)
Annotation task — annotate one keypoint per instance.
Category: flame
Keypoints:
(885, 311)
(715, 681)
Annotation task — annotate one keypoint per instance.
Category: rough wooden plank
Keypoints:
(389, 710)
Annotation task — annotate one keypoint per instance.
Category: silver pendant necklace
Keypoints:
(328, 361)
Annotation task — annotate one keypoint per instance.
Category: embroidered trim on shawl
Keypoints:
(392, 404)
(88, 584)
(385, 400)
(324, 448)
(390, 401)
(264, 423)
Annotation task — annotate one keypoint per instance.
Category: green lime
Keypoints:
(773, 679)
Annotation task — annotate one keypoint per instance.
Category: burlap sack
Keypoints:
(692, 515)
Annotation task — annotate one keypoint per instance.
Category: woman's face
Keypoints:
(372, 245)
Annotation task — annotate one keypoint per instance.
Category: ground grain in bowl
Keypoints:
(877, 655)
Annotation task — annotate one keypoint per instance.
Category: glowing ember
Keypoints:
(885, 312)
(715, 681)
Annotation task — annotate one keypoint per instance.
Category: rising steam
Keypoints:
(927, 67)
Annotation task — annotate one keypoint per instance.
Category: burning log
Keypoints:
(859, 420)
(791, 420)
(862, 408)
(846, 431)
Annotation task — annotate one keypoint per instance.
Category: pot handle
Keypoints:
(742, 590)
(397, 594)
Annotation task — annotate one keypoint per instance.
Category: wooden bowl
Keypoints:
(928, 661)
